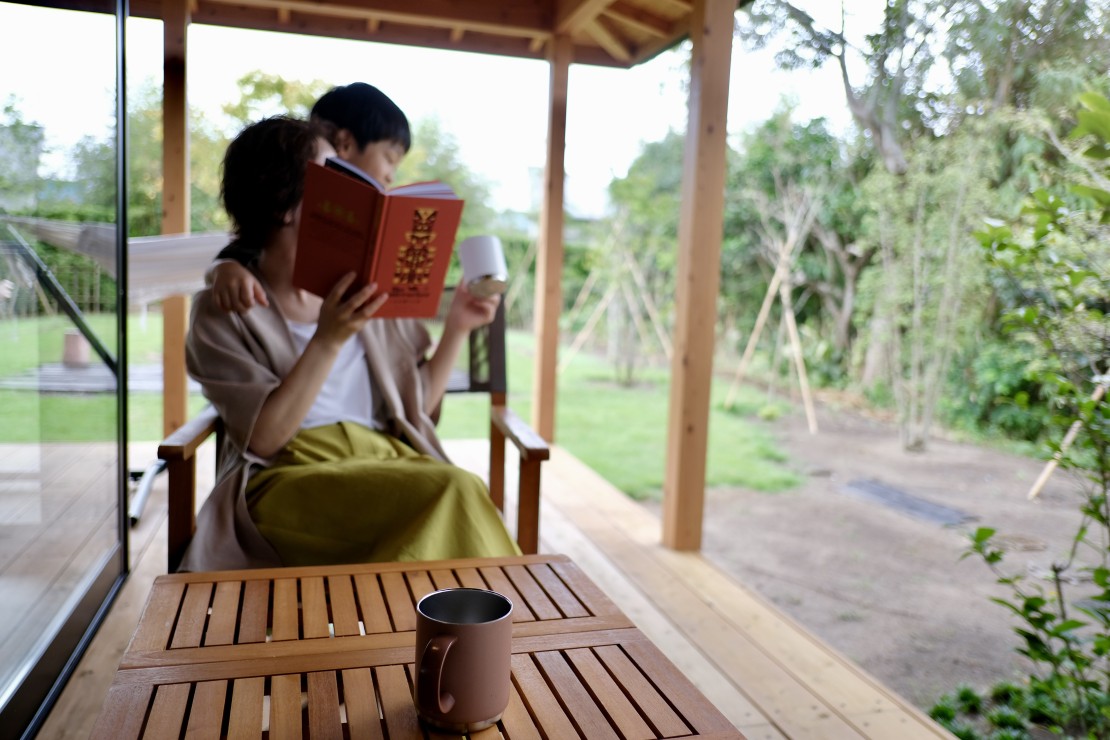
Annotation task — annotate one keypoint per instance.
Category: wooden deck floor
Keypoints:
(767, 674)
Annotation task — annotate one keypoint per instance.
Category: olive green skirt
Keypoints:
(343, 493)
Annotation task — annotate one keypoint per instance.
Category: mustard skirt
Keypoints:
(343, 493)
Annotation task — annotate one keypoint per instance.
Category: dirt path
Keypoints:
(879, 583)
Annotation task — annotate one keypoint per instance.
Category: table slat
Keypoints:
(167, 711)
(655, 708)
(696, 709)
(536, 694)
(442, 578)
(207, 714)
(159, 615)
(256, 611)
(600, 684)
(527, 587)
(341, 597)
(123, 714)
(314, 608)
(375, 616)
(285, 706)
(500, 583)
(361, 703)
(194, 614)
(397, 706)
(246, 708)
(516, 721)
(400, 602)
(420, 584)
(323, 706)
(568, 604)
(286, 620)
(572, 693)
(470, 578)
(225, 614)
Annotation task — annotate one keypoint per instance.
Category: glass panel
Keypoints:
(59, 414)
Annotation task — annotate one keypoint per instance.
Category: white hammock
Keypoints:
(157, 266)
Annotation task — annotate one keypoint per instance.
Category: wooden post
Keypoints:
(549, 262)
(699, 245)
(175, 207)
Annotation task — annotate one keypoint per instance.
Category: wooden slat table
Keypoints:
(328, 652)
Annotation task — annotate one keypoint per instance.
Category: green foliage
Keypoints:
(263, 94)
(435, 155)
(1055, 262)
(924, 289)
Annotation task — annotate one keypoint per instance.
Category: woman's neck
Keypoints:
(276, 265)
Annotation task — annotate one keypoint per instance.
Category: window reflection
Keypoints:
(59, 419)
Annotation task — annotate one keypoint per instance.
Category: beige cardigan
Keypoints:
(239, 359)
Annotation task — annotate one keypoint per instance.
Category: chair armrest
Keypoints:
(182, 443)
(530, 444)
(179, 451)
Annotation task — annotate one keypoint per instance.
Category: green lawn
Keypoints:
(619, 431)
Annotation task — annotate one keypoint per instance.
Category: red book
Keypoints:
(401, 239)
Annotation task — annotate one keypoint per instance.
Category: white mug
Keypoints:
(483, 262)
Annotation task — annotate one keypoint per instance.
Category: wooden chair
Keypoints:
(484, 372)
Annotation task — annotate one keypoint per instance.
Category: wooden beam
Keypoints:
(640, 19)
(511, 19)
(549, 260)
(573, 15)
(175, 205)
(699, 245)
(602, 31)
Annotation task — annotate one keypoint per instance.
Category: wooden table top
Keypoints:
(327, 652)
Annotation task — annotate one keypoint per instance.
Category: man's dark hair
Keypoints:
(364, 110)
(263, 176)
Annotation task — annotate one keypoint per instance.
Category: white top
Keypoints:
(346, 394)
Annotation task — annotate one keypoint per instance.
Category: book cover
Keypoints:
(402, 238)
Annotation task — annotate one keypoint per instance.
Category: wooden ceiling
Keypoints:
(618, 33)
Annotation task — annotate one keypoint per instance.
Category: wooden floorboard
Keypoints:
(767, 674)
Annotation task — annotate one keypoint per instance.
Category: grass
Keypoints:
(620, 431)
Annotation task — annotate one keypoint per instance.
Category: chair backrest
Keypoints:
(483, 367)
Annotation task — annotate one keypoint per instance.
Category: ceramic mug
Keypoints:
(483, 262)
(464, 640)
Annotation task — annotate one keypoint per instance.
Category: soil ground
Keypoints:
(880, 584)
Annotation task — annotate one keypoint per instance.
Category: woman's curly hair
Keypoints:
(263, 175)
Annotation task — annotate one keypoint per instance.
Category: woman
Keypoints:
(331, 453)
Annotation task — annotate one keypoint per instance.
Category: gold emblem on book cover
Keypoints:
(413, 268)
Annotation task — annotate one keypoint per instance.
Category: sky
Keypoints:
(494, 107)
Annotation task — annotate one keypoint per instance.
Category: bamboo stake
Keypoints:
(1073, 432)
(799, 358)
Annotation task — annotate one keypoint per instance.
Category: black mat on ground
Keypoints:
(906, 503)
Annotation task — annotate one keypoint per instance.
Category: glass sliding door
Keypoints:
(63, 546)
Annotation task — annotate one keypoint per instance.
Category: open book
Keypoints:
(401, 239)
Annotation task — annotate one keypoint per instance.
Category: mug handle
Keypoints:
(431, 667)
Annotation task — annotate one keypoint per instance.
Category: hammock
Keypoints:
(157, 266)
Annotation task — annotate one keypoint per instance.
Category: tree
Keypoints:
(21, 147)
(262, 94)
(893, 100)
(1027, 53)
(784, 168)
(435, 155)
(930, 270)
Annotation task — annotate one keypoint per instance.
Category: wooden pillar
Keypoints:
(699, 245)
(549, 260)
(175, 206)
